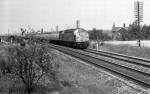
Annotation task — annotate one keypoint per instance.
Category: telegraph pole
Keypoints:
(138, 13)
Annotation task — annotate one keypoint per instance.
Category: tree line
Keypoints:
(136, 32)
(133, 33)
(98, 35)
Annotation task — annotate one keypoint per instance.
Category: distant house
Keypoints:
(118, 33)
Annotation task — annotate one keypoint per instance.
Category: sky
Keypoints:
(47, 14)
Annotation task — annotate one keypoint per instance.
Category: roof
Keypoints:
(69, 30)
(72, 30)
(118, 28)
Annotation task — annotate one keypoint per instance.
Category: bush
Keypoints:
(29, 64)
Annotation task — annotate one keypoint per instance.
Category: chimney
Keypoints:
(77, 24)
(124, 25)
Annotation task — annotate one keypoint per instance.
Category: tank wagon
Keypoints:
(75, 38)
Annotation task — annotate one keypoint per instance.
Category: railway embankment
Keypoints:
(88, 79)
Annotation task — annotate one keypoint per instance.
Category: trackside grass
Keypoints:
(143, 52)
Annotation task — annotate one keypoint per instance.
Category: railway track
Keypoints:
(141, 78)
(130, 59)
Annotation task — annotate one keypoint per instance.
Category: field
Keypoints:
(144, 43)
(125, 47)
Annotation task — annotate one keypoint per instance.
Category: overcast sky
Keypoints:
(99, 14)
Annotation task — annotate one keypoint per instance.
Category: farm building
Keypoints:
(118, 33)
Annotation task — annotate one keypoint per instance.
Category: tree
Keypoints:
(97, 35)
(23, 31)
(34, 62)
(133, 32)
(146, 31)
(30, 64)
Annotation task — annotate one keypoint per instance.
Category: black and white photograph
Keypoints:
(74, 47)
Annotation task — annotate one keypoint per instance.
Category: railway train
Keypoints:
(75, 38)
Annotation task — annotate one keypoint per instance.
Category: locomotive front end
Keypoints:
(81, 38)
